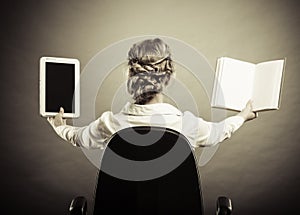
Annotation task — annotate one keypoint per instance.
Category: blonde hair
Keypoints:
(150, 69)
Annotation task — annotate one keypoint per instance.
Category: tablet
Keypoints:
(59, 86)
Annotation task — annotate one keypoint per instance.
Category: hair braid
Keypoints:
(150, 69)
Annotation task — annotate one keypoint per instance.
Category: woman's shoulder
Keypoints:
(106, 115)
(150, 109)
(189, 117)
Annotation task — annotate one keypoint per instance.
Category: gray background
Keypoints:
(257, 167)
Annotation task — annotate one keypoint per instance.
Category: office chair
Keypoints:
(148, 170)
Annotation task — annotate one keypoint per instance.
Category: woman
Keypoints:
(150, 70)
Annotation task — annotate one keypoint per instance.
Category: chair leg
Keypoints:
(224, 206)
(78, 206)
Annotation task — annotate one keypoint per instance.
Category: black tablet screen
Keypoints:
(60, 86)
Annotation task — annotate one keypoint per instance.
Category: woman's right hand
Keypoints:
(247, 113)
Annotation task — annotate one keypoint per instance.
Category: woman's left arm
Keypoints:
(89, 136)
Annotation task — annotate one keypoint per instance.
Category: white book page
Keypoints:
(267, 85)
(234, 84)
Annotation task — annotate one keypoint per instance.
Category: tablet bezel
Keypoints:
(76, 106)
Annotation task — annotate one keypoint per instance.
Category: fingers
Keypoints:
(247, 113)
(49, 119)
(57, 120)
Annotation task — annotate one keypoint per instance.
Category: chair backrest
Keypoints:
(148, 170)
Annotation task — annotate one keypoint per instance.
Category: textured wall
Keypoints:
(257, 167)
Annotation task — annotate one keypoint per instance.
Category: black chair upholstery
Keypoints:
(148, 170)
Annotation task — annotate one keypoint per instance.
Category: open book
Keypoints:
(238, 81)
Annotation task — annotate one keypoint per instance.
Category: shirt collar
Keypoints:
(150, 109)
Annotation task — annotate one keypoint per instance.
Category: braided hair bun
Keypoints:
(150, 69)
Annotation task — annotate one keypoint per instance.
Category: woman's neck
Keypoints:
(158, 98)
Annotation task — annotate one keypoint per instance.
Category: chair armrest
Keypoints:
(224, 206)
(78, 206)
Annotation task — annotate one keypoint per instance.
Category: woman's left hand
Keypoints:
(58, 119)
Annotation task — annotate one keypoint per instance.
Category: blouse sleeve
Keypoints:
(92, 136)
(220, 131)
(203, 133)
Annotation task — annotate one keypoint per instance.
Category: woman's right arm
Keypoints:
(212, 133)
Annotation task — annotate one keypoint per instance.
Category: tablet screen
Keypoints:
(60, 86)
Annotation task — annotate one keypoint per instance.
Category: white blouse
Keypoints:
(198, 131)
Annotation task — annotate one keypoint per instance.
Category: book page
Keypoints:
(233, 84)
(267, 85)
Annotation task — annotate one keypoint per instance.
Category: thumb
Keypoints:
(250, 103)
(61, 111)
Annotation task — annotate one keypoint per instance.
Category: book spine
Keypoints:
(216, 83)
